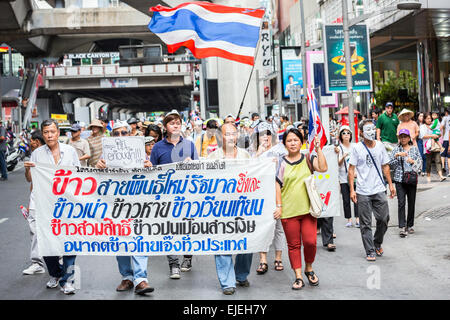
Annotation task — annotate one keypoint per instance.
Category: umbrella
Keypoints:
(345, 111)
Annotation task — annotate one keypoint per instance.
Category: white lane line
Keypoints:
(3, 220)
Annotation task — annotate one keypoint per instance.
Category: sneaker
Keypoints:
(348, 225)
(186, 265)
(411, 230)
(174, 272)
(52, 283)
(33, 269)
(357, 224)
(228, 291)
(403, 233)
(379, 251)
(371, 257)
(68, 288)
(244, 283)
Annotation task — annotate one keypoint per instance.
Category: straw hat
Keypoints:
(96, 123)
(405, 112)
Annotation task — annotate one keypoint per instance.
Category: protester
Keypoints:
(229, 275)
(375, 114)
(293, 205)
(420, 122)
(198, 129)
(149, 143)
(370, 159)
(229, 119)
(133, 122)
(445, 127)
(387, 127)
(3, 148)
(173, 148)
(37, 263)
(154, 131)
(57, 154)
(432, 155)
(268, 147)
(207, 142)
(80, 145)
(407, 122)
(344, 150)
(406, 162)
(95, 141)
(132, 268)
(105, 122)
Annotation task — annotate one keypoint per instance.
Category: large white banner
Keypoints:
(207, 207)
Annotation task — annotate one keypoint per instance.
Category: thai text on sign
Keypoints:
(208, 207)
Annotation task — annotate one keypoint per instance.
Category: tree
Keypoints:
(390, 90)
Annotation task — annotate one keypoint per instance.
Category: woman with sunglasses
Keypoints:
(344, 151)
(293, 206)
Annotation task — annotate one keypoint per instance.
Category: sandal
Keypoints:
(278, 265)
(263, 267)
(371, 257)
(310, 275)
(298, 284)
(331, 247)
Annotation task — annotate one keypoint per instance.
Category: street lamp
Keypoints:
(346, 24)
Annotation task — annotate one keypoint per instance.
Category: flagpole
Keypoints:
(251, 72)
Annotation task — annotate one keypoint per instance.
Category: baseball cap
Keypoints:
(132, 120)
(121, 124)
(389, 104)
(75, 127)
(404, 131)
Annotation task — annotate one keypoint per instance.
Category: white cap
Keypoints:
(121, 124)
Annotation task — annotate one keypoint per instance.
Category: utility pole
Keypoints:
(348, 65)
(304, 75)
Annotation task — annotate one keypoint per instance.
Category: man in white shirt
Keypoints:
(229, 275)
(57, 154)
(370, 159)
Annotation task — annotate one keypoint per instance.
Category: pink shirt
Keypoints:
(412, 127)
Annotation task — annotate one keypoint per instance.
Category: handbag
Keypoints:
(434, 146)
(315, 201)
(409, 177)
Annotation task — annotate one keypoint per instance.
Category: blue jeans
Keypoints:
(424, 159)
(133, 268)
(64, 271)
(3, 169)
(228, 274)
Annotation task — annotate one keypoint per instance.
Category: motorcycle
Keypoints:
(24, 149)
(12, 158)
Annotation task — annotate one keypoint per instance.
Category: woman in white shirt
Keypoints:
(344, 150)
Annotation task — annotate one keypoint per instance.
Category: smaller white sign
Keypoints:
(124, 152)
(119, 83)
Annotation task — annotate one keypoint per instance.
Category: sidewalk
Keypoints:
(430, 196)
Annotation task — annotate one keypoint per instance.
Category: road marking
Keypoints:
(3, 220)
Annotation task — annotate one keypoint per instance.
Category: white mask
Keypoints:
(370, 132)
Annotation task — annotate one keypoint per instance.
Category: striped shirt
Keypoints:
(95, 145)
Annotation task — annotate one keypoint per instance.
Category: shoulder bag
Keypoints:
(316, 203)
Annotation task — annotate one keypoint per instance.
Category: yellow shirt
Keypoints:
(208, 146)
(294, 196)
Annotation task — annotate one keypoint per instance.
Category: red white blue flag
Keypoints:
(209, 30)
(315, 127)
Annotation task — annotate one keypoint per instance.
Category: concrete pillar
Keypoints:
(423, 76)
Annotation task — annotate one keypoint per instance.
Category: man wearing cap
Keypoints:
(95, 141)
(387, 127)
(405, 116)
(133, 124)
(173, 148)
(132, 268)
(3, 146)
(80, 145)
(207, 142)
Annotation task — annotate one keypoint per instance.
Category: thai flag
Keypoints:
(110, 125)
(209, 30)
(315, 127)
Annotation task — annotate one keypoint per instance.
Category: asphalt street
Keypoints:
(416, 267)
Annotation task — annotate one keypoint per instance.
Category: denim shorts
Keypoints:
(445, 153)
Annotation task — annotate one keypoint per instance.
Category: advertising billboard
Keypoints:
(291, 69)
(335, 70)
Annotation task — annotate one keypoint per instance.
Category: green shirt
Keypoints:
(388, 127)
(294, 196)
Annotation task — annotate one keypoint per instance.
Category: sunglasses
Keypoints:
(120, 133)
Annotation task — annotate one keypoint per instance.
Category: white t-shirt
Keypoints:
(343, 170)
(43, 154)
(369, 181)
(446, 123)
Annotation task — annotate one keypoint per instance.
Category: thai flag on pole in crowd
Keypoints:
(315, 124)
(110, 125)
(209, 30)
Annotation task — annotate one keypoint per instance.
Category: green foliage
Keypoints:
(388, 90)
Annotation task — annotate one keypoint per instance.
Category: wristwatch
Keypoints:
(279, 206)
